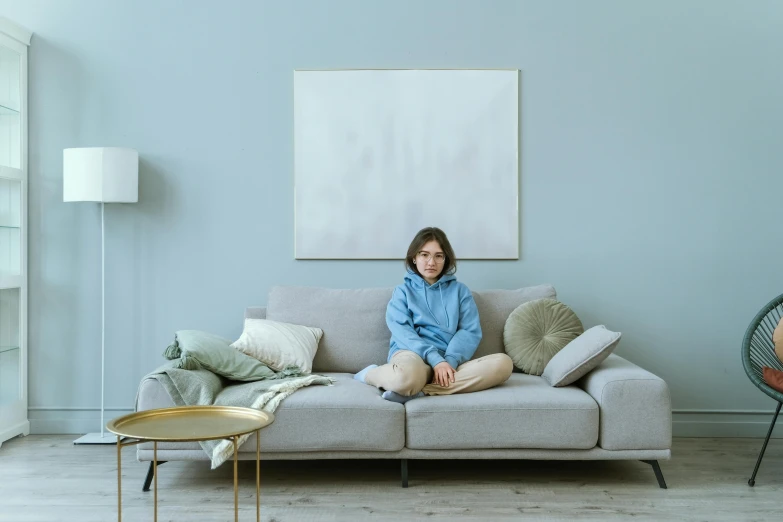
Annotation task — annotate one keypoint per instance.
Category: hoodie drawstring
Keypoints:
(442, 302)
(428, 303)
(440, 287)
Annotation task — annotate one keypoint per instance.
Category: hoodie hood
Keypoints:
(417, 281)
(421, 286)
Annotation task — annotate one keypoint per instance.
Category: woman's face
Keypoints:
(429, 261)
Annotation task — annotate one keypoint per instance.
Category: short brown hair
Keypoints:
(424, 236)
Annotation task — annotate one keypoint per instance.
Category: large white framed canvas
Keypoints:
(381, 153)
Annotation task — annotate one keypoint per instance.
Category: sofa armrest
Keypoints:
(153, 395)
(635, 407)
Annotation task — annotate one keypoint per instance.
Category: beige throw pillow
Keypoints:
(581, 356)
(279, 345)
(777, 338)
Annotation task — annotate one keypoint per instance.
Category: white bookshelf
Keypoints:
(14, 41)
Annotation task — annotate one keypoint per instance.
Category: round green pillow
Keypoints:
(535, 331)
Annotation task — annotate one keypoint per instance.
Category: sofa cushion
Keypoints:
(353, 322)
(525, 412)
(348, 415)
(494, 307)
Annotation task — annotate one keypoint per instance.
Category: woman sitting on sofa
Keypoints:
(435, 330)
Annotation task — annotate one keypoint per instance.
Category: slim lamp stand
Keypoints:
(102, 437)
(101, 175)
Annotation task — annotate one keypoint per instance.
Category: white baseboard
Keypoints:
(685, 423)
(71, 421)
(725, 423)
(23, 428)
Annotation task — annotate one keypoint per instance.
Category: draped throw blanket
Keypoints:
(203, 387)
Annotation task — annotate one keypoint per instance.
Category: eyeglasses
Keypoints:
(426, 256)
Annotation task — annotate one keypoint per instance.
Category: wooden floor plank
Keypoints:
(45, 478)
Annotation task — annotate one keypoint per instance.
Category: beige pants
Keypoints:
(408, 374)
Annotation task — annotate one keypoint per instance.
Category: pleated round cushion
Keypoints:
(535, 331)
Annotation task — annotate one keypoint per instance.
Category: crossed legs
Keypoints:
(407, 374)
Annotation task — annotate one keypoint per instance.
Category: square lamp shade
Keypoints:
(102, 174)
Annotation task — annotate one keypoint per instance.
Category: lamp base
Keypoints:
(97, 438)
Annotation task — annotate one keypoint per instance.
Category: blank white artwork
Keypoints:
(381, 154)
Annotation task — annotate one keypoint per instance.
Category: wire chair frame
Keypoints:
(758, 350)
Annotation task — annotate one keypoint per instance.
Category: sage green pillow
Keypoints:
(535, 331)
(195, 349)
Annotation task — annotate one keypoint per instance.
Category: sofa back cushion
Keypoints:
(494, 307)
(354, 320)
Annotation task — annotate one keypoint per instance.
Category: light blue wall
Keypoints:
(651, 182)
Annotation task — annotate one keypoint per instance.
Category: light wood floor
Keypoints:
(45, 478)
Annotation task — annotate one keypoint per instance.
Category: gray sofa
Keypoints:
(618, 411)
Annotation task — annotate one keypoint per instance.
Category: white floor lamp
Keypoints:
(104, 175)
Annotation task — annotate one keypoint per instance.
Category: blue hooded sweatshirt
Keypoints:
(439, 322)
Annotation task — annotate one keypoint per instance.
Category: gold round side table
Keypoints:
(189, 424)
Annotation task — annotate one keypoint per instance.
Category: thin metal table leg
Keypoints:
(119, 480)
(258, 476)
(155, 476)
(236, 496)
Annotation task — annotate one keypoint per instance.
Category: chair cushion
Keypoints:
(524, 412)
(777, 339)
(773, 378)
(348, 415)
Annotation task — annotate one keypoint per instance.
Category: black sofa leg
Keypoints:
(150, 474)
(657, 469)
(404, 469)
(752, 481)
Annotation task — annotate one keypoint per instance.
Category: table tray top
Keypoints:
(190, 423)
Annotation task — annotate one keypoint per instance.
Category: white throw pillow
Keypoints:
(581, 356)
(279, 345)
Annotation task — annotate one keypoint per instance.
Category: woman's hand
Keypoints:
(443, 374)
